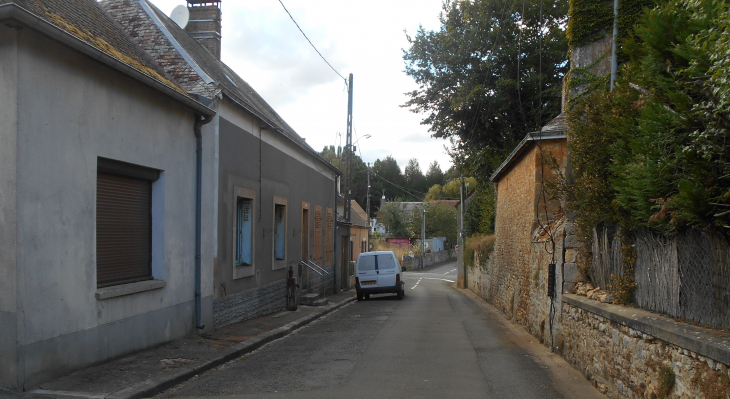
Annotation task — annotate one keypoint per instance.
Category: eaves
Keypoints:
(522, 147)
(27, 18)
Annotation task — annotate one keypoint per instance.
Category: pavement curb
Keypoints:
(162, 382)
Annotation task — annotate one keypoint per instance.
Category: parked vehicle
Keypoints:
(378, 273)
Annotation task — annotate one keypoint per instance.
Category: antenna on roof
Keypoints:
(180, 15)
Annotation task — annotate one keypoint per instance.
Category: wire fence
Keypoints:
(686, 276)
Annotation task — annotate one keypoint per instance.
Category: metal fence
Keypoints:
(686, 276)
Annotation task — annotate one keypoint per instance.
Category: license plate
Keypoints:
(368, 283)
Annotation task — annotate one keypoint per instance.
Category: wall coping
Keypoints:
(703, 341)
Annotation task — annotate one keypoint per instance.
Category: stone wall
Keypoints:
(430, 258)
(624, 361)
(249, 304)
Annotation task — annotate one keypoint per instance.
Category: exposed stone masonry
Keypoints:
(250, 304)
(626, 363)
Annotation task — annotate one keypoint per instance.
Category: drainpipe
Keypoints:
(334, 242)
(199, 122)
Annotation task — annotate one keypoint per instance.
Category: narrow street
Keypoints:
(436, 342)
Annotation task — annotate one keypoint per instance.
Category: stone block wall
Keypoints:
(249, 304)
(518, 264)
(624, 362)
(430, 258)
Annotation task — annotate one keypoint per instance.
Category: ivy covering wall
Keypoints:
(654, 153)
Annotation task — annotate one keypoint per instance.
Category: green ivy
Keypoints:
(589, 21)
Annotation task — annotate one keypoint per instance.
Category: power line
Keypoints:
(310, 43)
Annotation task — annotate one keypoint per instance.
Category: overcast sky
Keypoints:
(364, 38)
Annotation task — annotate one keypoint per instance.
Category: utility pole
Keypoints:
(348, 153)
(614, 56)
(460, 265)
(370, 228)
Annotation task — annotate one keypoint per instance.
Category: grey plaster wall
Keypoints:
(72, 110)
(8, 227)
(269, 167)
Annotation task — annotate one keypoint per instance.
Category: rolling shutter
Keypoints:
(123, 230)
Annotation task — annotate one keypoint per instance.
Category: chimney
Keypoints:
(205, 24)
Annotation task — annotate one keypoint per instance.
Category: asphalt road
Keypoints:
(436, 342)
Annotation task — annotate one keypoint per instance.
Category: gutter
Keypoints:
(15, 12)
(197, 129)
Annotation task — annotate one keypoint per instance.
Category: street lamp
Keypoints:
(367, 136)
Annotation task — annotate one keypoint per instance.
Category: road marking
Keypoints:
(450, 271)
(419, 280)
(67, 393)
(431, 278)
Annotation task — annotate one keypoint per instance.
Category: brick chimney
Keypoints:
(205, 24)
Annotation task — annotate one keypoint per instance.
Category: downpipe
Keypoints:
(197, 128)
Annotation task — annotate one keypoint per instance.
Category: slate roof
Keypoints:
(201, 73)
(88, 22)
(553, 130)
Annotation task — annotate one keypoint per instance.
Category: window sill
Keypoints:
(129, 289)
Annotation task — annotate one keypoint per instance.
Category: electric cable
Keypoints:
(310, 43)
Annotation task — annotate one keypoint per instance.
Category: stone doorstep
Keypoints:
(696, 339)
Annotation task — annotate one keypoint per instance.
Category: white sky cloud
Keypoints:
(364, 38)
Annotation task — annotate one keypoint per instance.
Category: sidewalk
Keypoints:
(146, 373)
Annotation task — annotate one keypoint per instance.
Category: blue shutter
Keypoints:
(243, 232)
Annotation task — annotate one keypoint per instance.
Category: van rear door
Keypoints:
(387, 269)
(367, 271)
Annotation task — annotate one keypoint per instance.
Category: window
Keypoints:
(244, 236)
(280, 229)
(123, 222)
(318, 235)
(305, 231)
(328, 239)
(243, 249)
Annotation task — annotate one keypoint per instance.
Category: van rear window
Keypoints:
(386, 262)
(366, 263)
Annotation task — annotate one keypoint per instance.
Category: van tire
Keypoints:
(401, 292)
(359, 296)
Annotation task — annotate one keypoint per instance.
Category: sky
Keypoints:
(366, 38)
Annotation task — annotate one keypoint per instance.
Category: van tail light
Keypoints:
(397, 278)
(357, 280)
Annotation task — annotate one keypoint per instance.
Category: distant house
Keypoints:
(268, 197)
(97, 193)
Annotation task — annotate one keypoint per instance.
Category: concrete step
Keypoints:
(308, 299)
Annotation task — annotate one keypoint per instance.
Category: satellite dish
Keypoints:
(180, 15)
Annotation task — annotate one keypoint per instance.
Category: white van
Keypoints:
(377, 273)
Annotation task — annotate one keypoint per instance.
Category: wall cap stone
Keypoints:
(703, 341)
(128, 289)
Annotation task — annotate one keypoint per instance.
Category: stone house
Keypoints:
(268, 197)
(97, 193)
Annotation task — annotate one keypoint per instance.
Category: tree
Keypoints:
(434, 174)
(358, 168)
(395, 220)
(441, 221)
(486, 77)
(413, 176)
(386, 172)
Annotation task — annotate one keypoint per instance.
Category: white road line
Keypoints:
(85, 395)
(450, 271)
(430, 278)
(419, 280)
